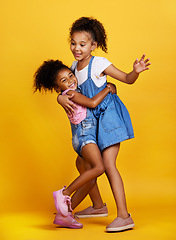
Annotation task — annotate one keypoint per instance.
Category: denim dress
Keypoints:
(113, 119)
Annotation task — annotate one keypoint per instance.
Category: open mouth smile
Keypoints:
(72, 85)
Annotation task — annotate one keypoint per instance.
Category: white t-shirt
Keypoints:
(99, 64)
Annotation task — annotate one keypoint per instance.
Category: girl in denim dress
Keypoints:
(114, 124)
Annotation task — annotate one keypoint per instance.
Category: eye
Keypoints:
(82, 45)
(72, 43)
(63, 80)
(71, 75)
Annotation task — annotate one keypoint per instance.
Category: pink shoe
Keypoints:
(68, 221)
(62, 202)
(92, 212)
(120, 224)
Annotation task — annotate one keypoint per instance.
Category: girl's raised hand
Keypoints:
(142, 65)
(65, 102)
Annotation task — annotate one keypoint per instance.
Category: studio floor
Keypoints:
(153, 223)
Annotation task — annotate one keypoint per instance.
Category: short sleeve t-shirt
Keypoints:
(99, 64)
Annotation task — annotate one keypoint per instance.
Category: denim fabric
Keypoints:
(113, 119)
(114, 125)
(84, 132)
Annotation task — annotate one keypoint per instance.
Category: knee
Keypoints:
(100, 170)
(80, 164)
(109, 166)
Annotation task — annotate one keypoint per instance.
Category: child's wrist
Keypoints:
(135, 72)
(108, 87)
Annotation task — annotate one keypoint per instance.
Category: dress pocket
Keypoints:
(110, 120)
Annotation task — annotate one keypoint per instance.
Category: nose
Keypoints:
(70, 81)
(76, 47)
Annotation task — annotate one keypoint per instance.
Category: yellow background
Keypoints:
(35, 138)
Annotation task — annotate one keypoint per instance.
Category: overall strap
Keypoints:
(89, 67)
(75, 68)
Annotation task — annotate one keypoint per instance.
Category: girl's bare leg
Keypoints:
(81, 193)
(92, 155)
(90, 188)
(115, 180)
(96, 197)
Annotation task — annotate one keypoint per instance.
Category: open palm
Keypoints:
(142, 65)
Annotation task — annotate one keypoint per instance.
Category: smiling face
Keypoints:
(82, 45)
(66, 80)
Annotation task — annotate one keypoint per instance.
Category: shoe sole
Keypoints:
(92, 215)
(61, 223)
(118, 229)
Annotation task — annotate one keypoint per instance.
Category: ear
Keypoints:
(94, 45)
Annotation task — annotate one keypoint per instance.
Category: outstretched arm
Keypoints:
(129, 78)
(94, 101)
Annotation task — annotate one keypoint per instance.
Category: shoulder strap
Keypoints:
(89, 67)
(75, 67)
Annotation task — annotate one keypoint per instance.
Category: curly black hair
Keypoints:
(45, 76)
(92, 26)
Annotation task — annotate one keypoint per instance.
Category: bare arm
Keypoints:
(94, 101)
(64, 101)
(129, 78)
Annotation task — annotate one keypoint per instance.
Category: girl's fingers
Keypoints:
(146, 60)
(147, 64)
(67, 111)
(71, 109)
(72, 105)
(70, 96)
(142, 58)
(136, 62)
